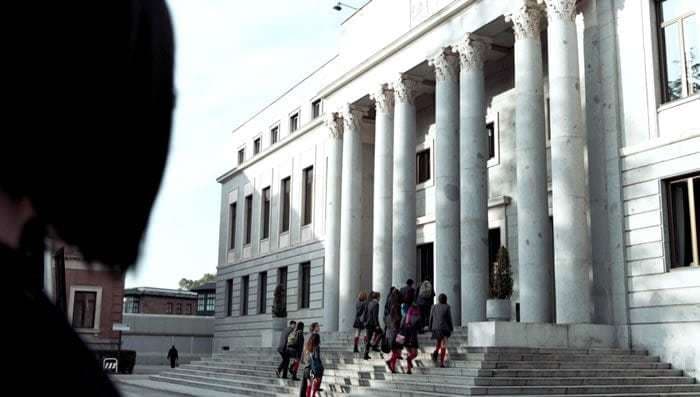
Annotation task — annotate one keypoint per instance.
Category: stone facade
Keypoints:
(571, 176)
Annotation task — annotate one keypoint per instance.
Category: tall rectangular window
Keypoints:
(232, 232)
(241, 156)
(308, 197)
(423, 166)
(178, 308)
(682, 206)
(84, 303)
(244, 295)
(305, 289)
(169, 310)
(248, 218)
(229, 297)
(316, 108)
(262, 293)
(257, 146)
(188, 309)
(491, 131)
(274, 135)
(285, 196)
(265, 221)
(294, 122)
(211, 302)
(678, 38)
(282, 280)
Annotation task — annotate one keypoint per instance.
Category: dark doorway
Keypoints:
(424, 263)
(494, 244)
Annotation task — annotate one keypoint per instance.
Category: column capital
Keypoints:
(352, 117)
(406, 89)
(383, 97)
(472, 51)
(446, 64)
(527, 20)
(561, 9)
(334, 125)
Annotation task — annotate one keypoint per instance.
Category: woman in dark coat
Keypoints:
(360, 318)
(295, 346)
(441, 325)
(409, 329)
(393, 323)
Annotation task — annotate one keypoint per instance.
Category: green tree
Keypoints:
(189, 284)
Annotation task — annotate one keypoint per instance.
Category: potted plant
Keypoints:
(500, 288)
(279, 308)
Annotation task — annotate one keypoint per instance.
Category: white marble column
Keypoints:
(473, 148)
(572, 243)
(351, 216)
(534, 234)
(332, 243)
(404, 210)
(447, 248)
(383, 174)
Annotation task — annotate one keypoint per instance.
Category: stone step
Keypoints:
(569, 365)
(394, 393)
(535, 390)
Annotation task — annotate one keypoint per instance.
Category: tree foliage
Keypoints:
(189, 284)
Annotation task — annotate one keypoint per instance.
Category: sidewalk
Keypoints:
(143, 382)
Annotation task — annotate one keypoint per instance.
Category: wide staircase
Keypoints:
(470, 371)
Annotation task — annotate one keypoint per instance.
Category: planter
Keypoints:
(498, 309)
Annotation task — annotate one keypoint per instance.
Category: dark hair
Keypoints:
(292, 322)
(409, 281)
(300, 326)
(442, 298)
(312, 343)
(374, 295)
(313, 325)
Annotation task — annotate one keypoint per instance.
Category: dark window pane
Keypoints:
(681, 243)
(425, 262)
(274, 135)
(294, 122)
(490, 130)
(673, 62)
(266, 213)
(244, 296)
(229, 296)
(305, 284)
(423, 166)
(241, 156)
(316, 107)
(262, 293)
(308, 195)
(84, 309)
(232, 210)
(248, 218)
(285, 204)
(256, 146)
(170, 308)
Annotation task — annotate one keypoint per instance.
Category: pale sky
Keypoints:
(232, 58)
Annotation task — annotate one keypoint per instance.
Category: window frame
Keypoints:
(248, 220)
(307, 196)
(275, 133)
(285, 204)
(241, 155)
(316, 109)
(265, 212)
(245, 286)
(98, 306)
(304, 285)
(667, 209)
(257, 145)
(294, 116)
(662, 24)
(233, 215)
(262, 292)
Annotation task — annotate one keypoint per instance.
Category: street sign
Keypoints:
(121, 327)
(110, 365)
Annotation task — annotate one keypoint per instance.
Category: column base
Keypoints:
(541, 335)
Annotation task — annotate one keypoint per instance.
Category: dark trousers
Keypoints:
(284, 366)
(172, 362)
(371, 331)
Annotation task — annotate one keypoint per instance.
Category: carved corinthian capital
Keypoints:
(383, 97)
(334, 125)
(527, 20)
(561, 9)
(406, 89)
(472, 52)
(446, 65)
(352, 118)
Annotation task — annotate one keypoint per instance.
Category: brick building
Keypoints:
(146, 300)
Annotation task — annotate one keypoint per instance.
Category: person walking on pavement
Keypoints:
(360, 318)
(393, 324)
(282, 350)
(441, 325)
(372, 324)
(172, 356)
(295, 347)
(313, 372)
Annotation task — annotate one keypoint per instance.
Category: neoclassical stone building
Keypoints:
(566, 131)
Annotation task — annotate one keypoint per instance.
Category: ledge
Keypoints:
(541, 335)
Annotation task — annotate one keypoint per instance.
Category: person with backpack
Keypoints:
(295, 346)
(408, 334)
(425, 301)
(392, 343)
(360, 318)
(282, 350)
(372, 324)
(313, 371)
(441, 325)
